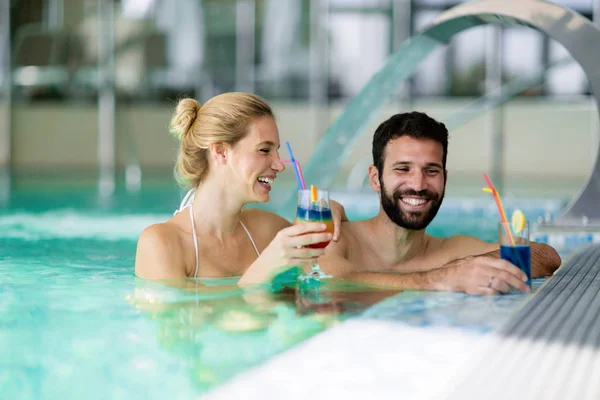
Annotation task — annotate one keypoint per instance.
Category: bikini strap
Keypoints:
(250, 237)
(187, 200)
(194, 236)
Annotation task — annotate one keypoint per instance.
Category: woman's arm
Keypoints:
(287, 249)
(283, 244)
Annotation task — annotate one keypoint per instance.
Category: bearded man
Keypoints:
(393, 250)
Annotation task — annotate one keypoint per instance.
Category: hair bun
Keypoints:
(185, 115)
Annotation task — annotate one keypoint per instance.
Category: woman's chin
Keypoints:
(261, 194)
(259, 198)
(263, 198)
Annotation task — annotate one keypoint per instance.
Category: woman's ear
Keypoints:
(374, 178)
(219, 152)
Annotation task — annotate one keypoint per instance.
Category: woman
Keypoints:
(229, 154)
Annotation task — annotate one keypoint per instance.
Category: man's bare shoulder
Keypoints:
(354, 229)
(463, 245)
(348, 244)
(342, 245)
(440, 251)
(466, 240)
(339, 255)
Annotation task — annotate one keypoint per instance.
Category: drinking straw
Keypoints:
(297, 164)
(491, 189)
(297, 169)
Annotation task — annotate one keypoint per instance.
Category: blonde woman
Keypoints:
(229, 155)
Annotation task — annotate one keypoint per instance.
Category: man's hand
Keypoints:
(478, 275)
(338, 214)
(544, 259)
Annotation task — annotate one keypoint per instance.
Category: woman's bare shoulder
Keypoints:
(159, 253)
(163, 233)
(266, 220)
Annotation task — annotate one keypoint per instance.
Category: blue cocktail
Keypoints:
(519, 255)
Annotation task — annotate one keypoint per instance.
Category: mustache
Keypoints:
(426, 194)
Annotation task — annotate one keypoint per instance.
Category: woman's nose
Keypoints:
(278, 165)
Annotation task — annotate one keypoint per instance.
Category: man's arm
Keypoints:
(544, 259)
(334, 263)
(470, 275)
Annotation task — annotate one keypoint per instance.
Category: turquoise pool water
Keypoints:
(75, 323)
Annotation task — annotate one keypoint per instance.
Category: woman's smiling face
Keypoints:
(255, 160)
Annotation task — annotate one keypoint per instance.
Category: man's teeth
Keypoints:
(268, 181)
(414, 202)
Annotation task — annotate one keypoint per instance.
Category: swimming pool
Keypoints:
(74, 322)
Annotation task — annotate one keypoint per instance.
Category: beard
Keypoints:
(413, 220)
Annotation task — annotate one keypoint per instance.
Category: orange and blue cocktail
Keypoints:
(313, 206)
(315, 213)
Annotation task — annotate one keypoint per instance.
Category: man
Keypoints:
(392, 249)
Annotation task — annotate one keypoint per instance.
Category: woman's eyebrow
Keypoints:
(269, 143)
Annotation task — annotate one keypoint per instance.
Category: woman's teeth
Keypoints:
(268, 181)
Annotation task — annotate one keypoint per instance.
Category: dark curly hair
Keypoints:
(416, 125)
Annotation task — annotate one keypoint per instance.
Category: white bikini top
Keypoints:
(188, 201)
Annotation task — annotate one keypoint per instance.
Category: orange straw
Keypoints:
(492, 189)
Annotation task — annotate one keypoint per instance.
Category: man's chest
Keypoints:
(365, 256)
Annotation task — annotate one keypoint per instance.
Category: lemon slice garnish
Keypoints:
(313, 193)
(518, 221)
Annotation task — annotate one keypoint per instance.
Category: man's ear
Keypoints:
(374, 178)
(219, 152)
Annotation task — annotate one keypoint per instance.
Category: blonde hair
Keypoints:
(225, 118)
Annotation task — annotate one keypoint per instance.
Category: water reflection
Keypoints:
(218, 330)
(338, 297)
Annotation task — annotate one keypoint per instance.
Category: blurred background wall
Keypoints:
(92, 83)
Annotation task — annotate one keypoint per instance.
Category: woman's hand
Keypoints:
(338, 214)
(287, 250)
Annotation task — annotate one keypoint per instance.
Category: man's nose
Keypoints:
(417, 181)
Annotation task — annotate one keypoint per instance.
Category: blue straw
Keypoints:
(293, 160)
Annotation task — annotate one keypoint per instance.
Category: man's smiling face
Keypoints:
(412, 181)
